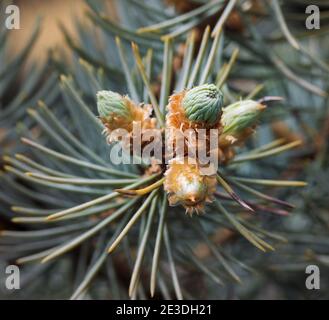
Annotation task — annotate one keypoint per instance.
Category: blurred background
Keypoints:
(53, 14)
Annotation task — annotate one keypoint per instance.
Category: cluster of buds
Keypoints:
(198, 109)
(201, 108)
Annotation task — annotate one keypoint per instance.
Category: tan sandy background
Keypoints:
(52, 12)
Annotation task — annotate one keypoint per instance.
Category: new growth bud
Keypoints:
(203, 104)
(185, 184)
(120, 116)
(240, 116)
(111, 104)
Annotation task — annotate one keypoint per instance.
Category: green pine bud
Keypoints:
(112, 104)
(240, 115)
(203, 104)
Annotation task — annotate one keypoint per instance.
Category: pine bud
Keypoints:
(120, 113)
(111, 104)
(203, 104)
(240, 116)
(186, 185)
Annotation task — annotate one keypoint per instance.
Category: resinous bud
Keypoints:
(186, 185)
(203, 104)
